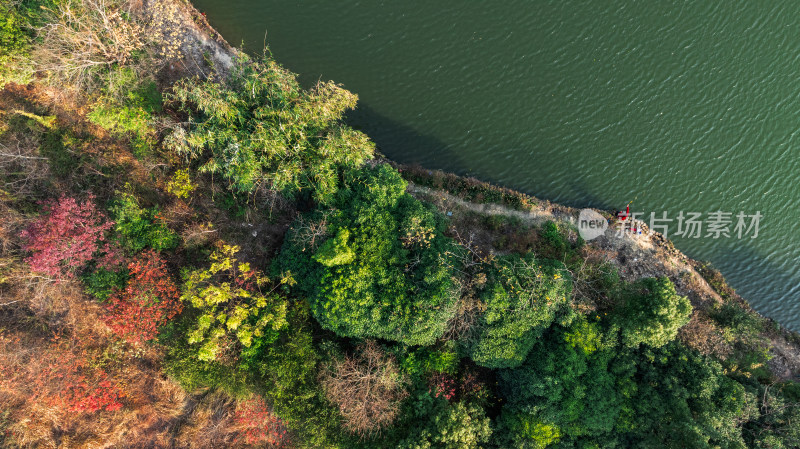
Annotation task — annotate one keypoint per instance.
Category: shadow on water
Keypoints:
(770, 289)
(406, 145)
(399, 142)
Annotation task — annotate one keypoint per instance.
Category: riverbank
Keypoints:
(635, 256)
(198, 251)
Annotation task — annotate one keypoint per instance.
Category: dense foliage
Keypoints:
(260, 127)
(139, 228)
(652, 313)
(456, 426)
(521, 300)
(18, 22)
(289, 371)
(385, 271)
(127, 108)
(580, 386)
(260, 426)
(148, 302)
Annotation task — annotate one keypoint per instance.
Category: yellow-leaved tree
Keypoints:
(235, 303)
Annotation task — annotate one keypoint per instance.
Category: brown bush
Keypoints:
(24, 169)
(703, 335)
(366, 387)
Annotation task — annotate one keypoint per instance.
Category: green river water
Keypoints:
(690, 107)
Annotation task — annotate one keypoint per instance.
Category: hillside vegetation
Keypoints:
(196, 251)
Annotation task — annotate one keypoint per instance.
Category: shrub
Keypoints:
(18, 22)
(442, 386)
(371, 279)
(555, 244)
(527, 430)
(90, 396)
(181, 184)
(13, 37)
(257, 425)
(102, 282)
(653, 313)
(67, 236)
(366, 387)
(418, 361)
(147, 303)
(140, 228)
(127, 107)
(230, 301)
(737, 321)
(260, 127)
(521, 299)
(60, 376)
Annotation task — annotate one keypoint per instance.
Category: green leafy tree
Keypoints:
(777, 427)
(452, 426)
(683, 400)
(527, 431)
(139, 228)
(231, 304)
(261, 127)
(387, 271)
(289, 370)
(522, 299)
(564, 389)
(579, 388)
(653, 313)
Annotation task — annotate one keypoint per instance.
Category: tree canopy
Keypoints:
(522, 299)
(260, 127)
(386, 269)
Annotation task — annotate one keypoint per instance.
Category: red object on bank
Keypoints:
(622, 216)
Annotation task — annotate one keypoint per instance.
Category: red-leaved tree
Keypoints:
(92, 393)
(443, 385)
(257, 425)
(148, 302)
(67, 236)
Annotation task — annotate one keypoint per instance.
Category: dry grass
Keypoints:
(51, 336)
(48, 328)
(84, 37)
